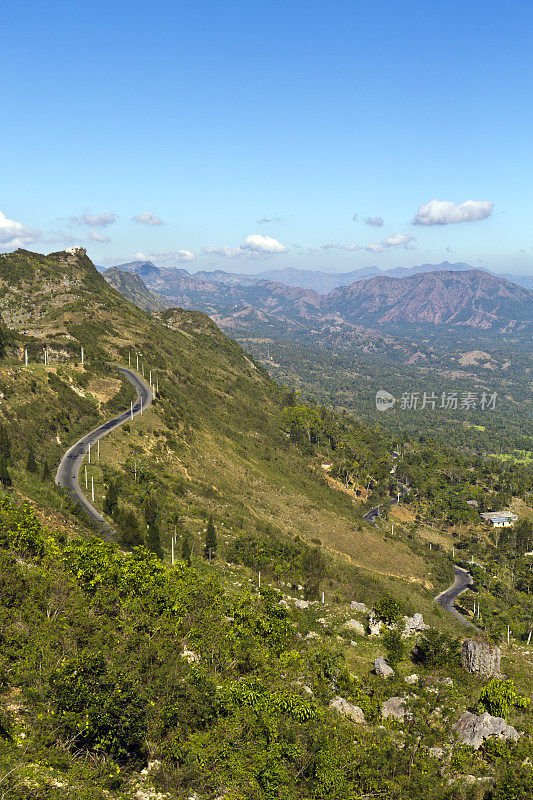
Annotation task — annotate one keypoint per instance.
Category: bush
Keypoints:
(99, 708)
(436, 649)
(498, 696)
(388, 610)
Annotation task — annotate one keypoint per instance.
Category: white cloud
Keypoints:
(266, 220)
(377, 222)
(166, 255)
(94, 236)
(15, 234)
(255, 245)
(337, 246)
(439, 212)
(396, 240)
(95, 220)
(148, 218)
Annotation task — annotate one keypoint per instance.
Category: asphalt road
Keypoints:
(67, 473)
(463, 580)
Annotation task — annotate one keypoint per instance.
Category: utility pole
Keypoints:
(129, 358)
(137, 362)
(92, 488)
(131, 408)
(143, 369)
(26, 356)
(172, 551)
(323, 598)
(82, 361)
(89, 452)
(141, 405)
(150, 380)
(259, 581)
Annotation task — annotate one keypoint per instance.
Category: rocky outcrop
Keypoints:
(382, 668)
(190, 656)
(358, 607)
(354, 626)
(347, 709)
(473, 729)
(479, 658)
(395, 707)
(301, 604)
(414, 624)
(374, 624)
(412, 679)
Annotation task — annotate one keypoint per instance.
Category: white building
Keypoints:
(500, 519)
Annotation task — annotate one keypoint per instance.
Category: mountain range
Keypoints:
(318, 281)
(471, 298)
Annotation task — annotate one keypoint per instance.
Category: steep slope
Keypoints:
(211, 443)
(133, 288)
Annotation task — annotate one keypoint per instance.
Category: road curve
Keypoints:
(463, 580)
(69, 467)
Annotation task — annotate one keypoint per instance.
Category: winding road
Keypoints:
(463, 580)
(69, 467)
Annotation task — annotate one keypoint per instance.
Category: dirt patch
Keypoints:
(104, 388)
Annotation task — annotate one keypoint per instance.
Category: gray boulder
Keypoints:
(354, 626)
(412, 679)
(302, 604)
(358, 607)
(479, 658)
(473, 729)
(394, 707)
(382, 669)
(414, 624)
(347, 709)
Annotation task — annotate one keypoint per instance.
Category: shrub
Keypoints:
(436, 649)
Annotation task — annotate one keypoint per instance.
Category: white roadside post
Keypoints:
(150, 381)
(137, 362)
(92, 488)
(26, 356)
(86, 479)
(322, 598)
(259, 581)
(98, 449)
(172, 551)
(131, 408)
(129, 359)
(82, 357)
(89, 452)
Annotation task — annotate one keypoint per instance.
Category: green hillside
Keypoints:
(123, 676)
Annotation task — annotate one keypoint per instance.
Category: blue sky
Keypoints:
(247, 135)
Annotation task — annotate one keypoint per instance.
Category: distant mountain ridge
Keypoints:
(316, 280)
(473, 298)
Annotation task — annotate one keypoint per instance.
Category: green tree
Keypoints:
(5, 477)
(498, 696)
(395, 647)
(314, 569)
(45, 473)
(129, 530)
(111, 497)
(5, 444)
(31, 463)
(186, 550)
(388, 610)
(210, 540)
(153, 536)
(436, 649)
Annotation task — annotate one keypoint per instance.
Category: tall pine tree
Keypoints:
(31, 463)
(186, 550)
(153, 536)
(210, 540)
(5, 444)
